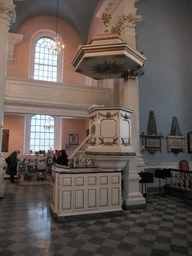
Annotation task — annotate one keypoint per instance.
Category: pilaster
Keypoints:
(12, 41)
(122, 20)
(7, 16)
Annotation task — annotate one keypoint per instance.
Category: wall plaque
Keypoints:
(175, 141)
(152, 140)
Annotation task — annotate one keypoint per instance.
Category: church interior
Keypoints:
(110, 78)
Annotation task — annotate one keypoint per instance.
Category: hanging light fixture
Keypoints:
(57, 47)
(48, 124)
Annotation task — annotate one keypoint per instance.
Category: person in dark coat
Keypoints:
(12, 166)
(62, 159)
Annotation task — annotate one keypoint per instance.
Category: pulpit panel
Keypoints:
(66, 200)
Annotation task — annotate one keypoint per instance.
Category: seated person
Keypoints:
(62, 159)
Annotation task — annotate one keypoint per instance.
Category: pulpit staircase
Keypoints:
(79, 158)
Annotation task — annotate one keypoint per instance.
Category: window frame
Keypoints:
(39, 34)
(42, 131)
(57, 132)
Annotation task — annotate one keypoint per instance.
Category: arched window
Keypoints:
(42, 133)
(45, 65)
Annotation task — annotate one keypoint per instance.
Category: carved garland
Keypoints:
(92, 117)
(125, 116)
(93, 141)
(128, 143)
(106, 18)
(108, 143)
(108, 115)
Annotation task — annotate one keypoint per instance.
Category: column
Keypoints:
(7, 16)
(123, 22)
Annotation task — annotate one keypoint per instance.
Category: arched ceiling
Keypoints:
(78, 13)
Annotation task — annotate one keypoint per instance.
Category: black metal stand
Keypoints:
(145, 194)
(162, 174)
(147, 177)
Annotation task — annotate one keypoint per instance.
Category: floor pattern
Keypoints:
(27, 228)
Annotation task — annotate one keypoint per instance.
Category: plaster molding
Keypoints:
(7, 11)
(174, 165)
(44, 105)
(32, 96)
(108, 7)
(51, 93)
(110, 153)
(12, 41)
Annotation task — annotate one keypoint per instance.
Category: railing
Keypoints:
(180, 179)
(78, 158)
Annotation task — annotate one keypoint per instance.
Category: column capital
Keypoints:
(125, 21)
(7, 11)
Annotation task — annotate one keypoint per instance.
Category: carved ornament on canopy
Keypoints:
(8, 12)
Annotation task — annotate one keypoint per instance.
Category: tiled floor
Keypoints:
(27, 228)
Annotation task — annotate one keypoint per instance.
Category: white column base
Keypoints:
(134, 200)
(2, 190)
(132, 197)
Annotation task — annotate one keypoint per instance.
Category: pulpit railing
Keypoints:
(78, 158)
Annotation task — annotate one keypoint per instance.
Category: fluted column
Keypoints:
(7, 16)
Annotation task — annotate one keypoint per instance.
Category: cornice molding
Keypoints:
(44, 105)
(7, 11)
(110, 153)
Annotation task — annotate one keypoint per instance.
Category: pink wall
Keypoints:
(21, 55)
(97, 25)
(15, 124)
(74, 126)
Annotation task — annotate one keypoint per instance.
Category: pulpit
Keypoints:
(110, 137)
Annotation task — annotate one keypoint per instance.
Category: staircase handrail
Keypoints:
(79, 148)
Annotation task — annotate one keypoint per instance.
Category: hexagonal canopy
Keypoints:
(107, 57)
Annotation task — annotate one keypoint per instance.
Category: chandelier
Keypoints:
(57, 47)
(48, 124)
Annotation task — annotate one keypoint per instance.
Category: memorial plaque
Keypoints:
(152, 143)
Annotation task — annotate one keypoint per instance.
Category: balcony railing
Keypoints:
(180, 184)
(180, 179)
